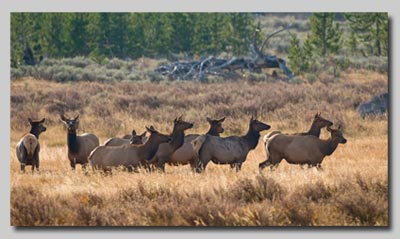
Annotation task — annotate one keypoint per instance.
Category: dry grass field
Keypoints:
(352, 190)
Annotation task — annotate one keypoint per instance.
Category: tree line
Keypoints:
(129, 35)
(133, 35)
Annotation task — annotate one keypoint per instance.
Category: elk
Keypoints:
(315, 129)
(28, 148)
(128, 155)
(133, 139)
(231, 150)
(301, 149)
(79, 146)
(166, 150)
(185, 154)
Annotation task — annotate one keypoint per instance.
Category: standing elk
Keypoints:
(315, 128)
(133, 139)
(231, 150)
(79, 146)
(28, 147)
(127, 155)
(166, 150)
(301, 149)
(185, 154)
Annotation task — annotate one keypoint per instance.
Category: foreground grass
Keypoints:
(351, 191)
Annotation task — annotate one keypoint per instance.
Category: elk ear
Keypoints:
(151, 129)
(340, 127)
(76, 117)
(143, 135)
(208, 119)
(133, 132)
(180, 117)
(316, 115)
(252, 118)
(30, 120)
(221, 120)
(62, 117)
(42, 121)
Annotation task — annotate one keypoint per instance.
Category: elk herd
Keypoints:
(156, 149)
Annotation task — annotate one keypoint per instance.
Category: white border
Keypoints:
(8, 6)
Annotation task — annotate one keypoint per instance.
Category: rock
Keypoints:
(376, 106)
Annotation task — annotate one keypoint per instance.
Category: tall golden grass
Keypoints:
(352, 190)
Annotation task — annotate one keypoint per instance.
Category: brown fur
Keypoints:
(166, 150)
(185, 154)
(315, 129)
(28, 148)
(301, 149)
(128, 155)
(133, 139)
(79, 146)
(231, 150)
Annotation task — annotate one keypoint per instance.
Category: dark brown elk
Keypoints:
(133, 139)
(166, 150)
(315, 129)
(301, 149)
(79, 146)
(28, 147)
(231, 150)
(185, 154)
(128, 155)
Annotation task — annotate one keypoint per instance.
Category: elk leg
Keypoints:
(161, 165)
(36, 159)
(274, 166)
(23, 167)
(232, 165)
(264, 164)
(319, 167)
(238, 167)
(72, 163)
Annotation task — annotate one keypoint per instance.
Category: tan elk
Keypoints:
(79, 146)
(301, 149)
(315, 129)
(133, 139)
(185, 154)
(28, 147)
(128, 155)
(166, 150)
(231, 150)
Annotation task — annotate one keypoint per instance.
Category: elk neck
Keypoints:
(149, 149)
(178, 137)
(212, 131)
(35, 131)
(329, 146)
(314, 130)
(72, 142)
(252, 138)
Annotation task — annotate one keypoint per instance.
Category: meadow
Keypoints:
(352, 190)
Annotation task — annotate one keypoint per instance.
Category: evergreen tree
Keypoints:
(326, 36)
(371, 30)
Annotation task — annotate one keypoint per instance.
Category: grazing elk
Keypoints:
(133, 139)
(166, 150)
(127, 155)
(315, 128)
(185, 154)
(79, 146)
(301, 149)
(28, 147)
(231, 150)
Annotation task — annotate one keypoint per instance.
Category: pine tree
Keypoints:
(326, 36)
(371, 30)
